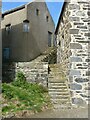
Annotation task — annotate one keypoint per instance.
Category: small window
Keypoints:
(59, 43)
(49, 39)
(47, 18)
(63, 36)
(26, 26)
(8, 28)
(6, 53)
(37, 12)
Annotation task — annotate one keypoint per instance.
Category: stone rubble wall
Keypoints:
(35, 72)
(77, 45)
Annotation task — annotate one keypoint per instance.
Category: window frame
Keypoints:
(8, 28)
(5, 54)
(26, 26)
(37, 12)
(47, 18)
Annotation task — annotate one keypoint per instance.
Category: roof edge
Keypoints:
(13, 10)
(60, 17)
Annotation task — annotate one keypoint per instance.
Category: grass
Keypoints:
(20, 95)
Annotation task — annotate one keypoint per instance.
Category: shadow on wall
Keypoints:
(8, 72)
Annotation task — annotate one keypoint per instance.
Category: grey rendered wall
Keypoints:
(37, 40)
(26, 46)
(15, 40)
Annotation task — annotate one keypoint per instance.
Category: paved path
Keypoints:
(63, 113)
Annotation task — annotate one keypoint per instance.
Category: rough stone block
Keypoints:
(75, 46)
(87, 73)
(88, 13)
(75, 59)
(82, 27)
(78, 101)
(87, 88)
(78, 64)
(82, 1)
(82, 67)
(74, 6)
(81, 80)
(74, 31)
(83, 41)
(75, 72)
(75, 86)
(79, 38)
(74, 19)
(84, 95)
(87, 60)
(80, 13)
(86, 19)
(87, 34)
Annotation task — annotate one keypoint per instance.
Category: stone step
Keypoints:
(58, 93)
(56, 76)
(57, 87)
(58, 81)
(56, 84)
(57, 90)
(60, 97)
(59, 101)
(56, 69)
(57, 106)
(55, 73)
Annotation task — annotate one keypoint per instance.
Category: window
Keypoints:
(49, 39)
(63, 36)
(47, 18)
(8, 28)
(6, 53)
(37, 12)
(26, 26)
(59, 43)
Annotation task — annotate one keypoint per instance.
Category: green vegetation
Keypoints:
(21, 95)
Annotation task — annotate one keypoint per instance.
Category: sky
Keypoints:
(54, 8)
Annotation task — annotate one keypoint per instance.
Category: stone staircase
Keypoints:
(58, 88)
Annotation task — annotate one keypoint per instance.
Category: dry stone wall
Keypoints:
(77, 40)
(35, 72)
